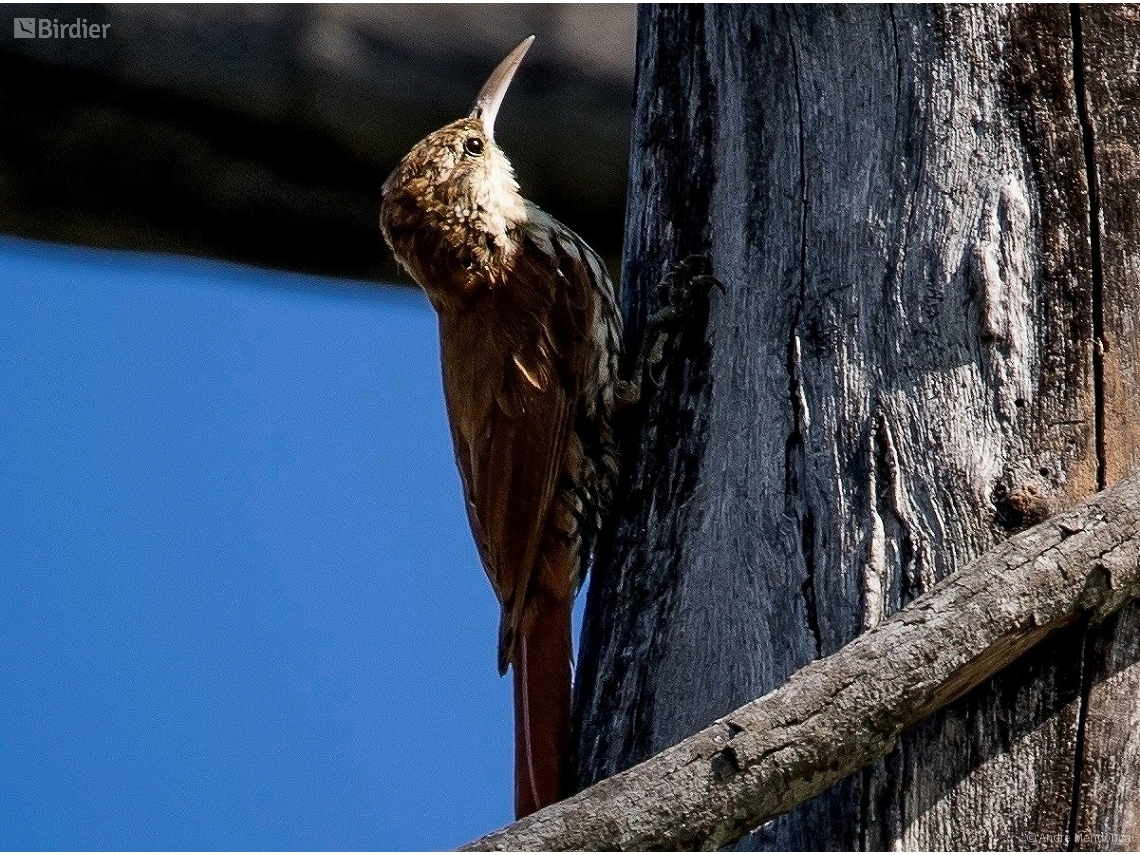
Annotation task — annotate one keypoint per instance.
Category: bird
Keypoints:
(530, 344)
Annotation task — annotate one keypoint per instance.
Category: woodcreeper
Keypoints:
(530, 338)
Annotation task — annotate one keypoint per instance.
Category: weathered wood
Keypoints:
(997, 769)
(904, 369)
(841, 712)
(1106, 814)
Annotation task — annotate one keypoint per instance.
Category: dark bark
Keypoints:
(925, 220)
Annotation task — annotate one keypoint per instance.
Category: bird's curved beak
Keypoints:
(491, 95)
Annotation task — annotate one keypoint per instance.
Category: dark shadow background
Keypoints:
(262, 134)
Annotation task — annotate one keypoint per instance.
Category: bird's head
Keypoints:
(454, 195)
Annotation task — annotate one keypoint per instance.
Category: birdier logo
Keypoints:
(53, 28)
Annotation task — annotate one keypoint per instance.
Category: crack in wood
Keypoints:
(725, 764)
(1088, 141)
(794, 447)
(1082, 733)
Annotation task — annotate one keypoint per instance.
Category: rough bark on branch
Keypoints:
(842, 712)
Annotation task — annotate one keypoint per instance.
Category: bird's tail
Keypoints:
(541, 665)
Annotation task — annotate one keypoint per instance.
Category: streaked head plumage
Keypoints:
(456, 182)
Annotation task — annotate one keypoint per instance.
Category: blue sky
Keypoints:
(241, 607)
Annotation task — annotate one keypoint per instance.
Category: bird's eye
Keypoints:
(473, 145)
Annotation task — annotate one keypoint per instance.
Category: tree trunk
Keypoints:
(926, 223)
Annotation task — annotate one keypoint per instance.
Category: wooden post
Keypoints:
(926, 222)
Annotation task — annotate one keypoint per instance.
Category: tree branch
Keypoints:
(840, 713)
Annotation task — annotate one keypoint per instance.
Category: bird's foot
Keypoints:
(682, 294)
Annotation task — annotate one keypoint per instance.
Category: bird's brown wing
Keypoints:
(512, 409)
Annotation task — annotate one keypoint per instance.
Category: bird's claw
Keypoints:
(680, 290)
(677, 286)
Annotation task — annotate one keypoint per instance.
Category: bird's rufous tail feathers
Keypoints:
(541, 666)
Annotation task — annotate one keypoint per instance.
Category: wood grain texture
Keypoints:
(1106, 814)
(636, 586)
(838, 713)
(903, 370)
